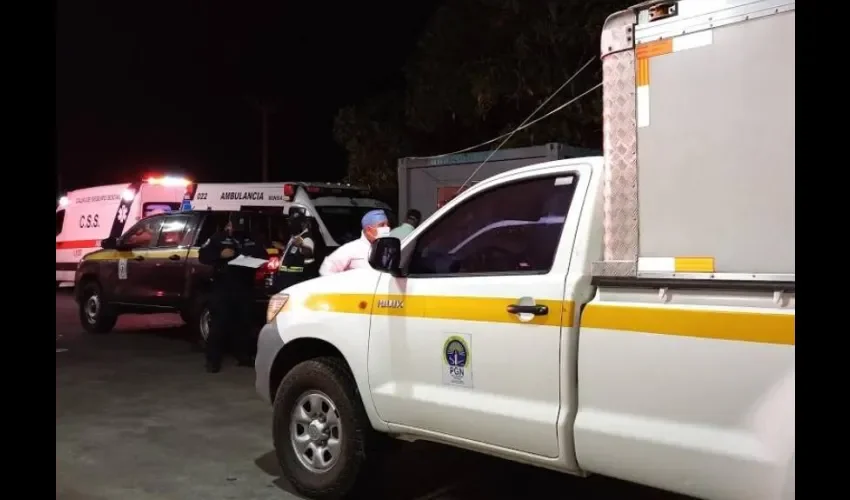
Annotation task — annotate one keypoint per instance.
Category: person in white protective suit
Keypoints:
(355, 254)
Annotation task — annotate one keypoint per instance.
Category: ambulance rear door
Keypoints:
(89, 216)
(159, 195)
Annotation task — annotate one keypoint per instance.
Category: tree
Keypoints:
(373, 134)
(479, 69)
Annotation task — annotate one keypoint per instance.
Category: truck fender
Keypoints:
(293, 348)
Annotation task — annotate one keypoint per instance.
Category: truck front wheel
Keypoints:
(321, 431)
(96, 315)
(197, 318)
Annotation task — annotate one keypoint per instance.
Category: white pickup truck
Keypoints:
(565, 315)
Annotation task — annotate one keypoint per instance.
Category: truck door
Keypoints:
(168, 261)
(469, 343)
(134, 263)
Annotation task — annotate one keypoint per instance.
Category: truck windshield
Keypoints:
(343, 222)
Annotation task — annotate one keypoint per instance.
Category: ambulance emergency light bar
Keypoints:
(316, 190)
(168, 181)
(129, 194)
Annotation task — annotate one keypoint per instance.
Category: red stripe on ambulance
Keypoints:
(69, 245)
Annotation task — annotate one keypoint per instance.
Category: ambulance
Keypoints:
(87, 216)
(336, 207)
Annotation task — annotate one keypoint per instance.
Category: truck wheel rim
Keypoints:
(205, 324)
(316, 432)
(92, 308)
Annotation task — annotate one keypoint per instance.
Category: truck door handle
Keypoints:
(138, 257)
(535, 310)
(174, 257)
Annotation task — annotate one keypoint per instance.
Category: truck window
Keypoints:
(142, 235)
(266, 228)
(512, 228)
(213, 222)
(60, 221)
(263, 227)
(172, 232)
(343, 222)
(258, 227)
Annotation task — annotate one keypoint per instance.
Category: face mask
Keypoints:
(380, 232)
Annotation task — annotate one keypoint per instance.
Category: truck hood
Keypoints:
(94, 255)
(355, 282)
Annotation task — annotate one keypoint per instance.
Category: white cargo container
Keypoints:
(699, 114)
(426, 184)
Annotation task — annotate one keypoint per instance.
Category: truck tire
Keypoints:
(198, 319)
(96, 315)
(321, 431)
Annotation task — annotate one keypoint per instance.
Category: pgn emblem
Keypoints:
(457, 369)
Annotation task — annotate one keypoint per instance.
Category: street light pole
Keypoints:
(265, 111)
(266, 108)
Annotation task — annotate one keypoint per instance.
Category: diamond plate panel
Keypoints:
(620, 195)
(617, 33)
(614, 269)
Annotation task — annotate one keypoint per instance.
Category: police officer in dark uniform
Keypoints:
(301, 254)
(231, 297)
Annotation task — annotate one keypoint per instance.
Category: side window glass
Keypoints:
(60, 221)
(173, 229)
(213, 222)
(279, 230)
(143, 233)
(258, 228)
(509, 229)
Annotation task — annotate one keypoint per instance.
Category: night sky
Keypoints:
(165, 86)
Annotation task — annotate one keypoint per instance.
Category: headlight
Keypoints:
(276, 304)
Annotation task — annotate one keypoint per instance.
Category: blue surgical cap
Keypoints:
(373, 217)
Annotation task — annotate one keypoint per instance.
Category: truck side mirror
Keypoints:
(109, 243)
(386, 255)
(294, 209)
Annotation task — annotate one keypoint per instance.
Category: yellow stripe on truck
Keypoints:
(115, 255)
(486, 309)
(151, 254)
(765, 328)
(693, 264)
(771, 328)
(676, 264)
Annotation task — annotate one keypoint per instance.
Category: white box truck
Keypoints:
(631, 315)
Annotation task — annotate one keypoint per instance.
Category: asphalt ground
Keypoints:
(138, 418)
